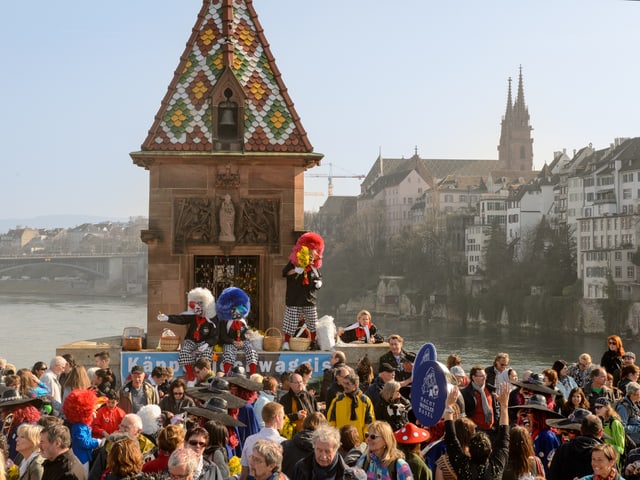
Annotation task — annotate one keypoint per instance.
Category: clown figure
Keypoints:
(202, 329)
(303, 280)
(78, 409)
(233, 307)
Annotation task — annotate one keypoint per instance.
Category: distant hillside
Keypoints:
(53, 221)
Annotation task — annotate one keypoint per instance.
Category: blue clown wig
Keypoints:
(233, 303)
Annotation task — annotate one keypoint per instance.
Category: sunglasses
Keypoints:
(372, 436)
(195, 443)
(42, 369)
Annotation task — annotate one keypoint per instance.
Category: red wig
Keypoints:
(79, 406)
(312, 241)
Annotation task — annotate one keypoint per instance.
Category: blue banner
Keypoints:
(269, 363)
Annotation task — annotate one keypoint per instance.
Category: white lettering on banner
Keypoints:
(149, 362)
(265, 365)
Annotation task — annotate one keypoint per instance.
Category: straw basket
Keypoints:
(132, 339)
(272, 343)
(169, 342)
(301, 344)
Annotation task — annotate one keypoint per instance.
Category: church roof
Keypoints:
(183, 122)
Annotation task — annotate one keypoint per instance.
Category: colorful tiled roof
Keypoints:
(183, 122)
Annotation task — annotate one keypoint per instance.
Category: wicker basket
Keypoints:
(272, 343)
(169, 343)
(301, 344)
(132, 339)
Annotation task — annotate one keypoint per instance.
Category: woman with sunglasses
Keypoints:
(197, 440)
(384, 461)
(39, 368)
(175, 401)
(611, 424)
(612, 357)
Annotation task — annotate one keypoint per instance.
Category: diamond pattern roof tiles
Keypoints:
(183, 122)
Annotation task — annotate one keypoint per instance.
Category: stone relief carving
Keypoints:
(259, 221)
(227, 178)
(193, 222)
(249, 221)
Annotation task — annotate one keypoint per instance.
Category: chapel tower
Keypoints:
(226, 156)
(515, 151)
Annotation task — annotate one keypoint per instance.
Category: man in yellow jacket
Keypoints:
(351, 407)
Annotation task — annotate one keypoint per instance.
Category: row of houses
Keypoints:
(86, 239)
(594, 192)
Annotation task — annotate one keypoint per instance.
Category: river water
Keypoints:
(33, 326)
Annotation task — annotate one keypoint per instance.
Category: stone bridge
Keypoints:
(105, 272)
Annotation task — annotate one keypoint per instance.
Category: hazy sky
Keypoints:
(82, 80)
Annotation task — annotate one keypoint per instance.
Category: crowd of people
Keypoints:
(572, 420)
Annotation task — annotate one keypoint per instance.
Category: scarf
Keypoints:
(27, 461)
(360, 330)
(611, 475)
(325, 473)
(488, 414)
(200, 321)
(354, 404)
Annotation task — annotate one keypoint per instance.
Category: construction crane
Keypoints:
(330, 176)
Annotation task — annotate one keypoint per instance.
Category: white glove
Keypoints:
(101, 442)
(298, 270)
(162, 317)
(318, 283)
(203, 347)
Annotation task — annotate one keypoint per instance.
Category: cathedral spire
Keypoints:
(509, 101)
(519, 106)
(515, 151)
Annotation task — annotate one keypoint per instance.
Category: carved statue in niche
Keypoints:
(194, 222)
(259, 222)
(227, 220)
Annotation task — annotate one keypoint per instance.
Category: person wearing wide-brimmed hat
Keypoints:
(533, 416)
(533, 384)
(573, 458)
(22, 410)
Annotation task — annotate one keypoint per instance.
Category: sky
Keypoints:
(82, 81)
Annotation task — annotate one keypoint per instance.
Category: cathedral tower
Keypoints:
(515, 151)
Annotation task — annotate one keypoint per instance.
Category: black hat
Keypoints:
(215, 409)
(137, 369)
(11, 398)
(535, 382)
(237, 371)
(602, 401)
(538, 402)
(217, 387)
(573, 422)
(385, 367)
(245, 383)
